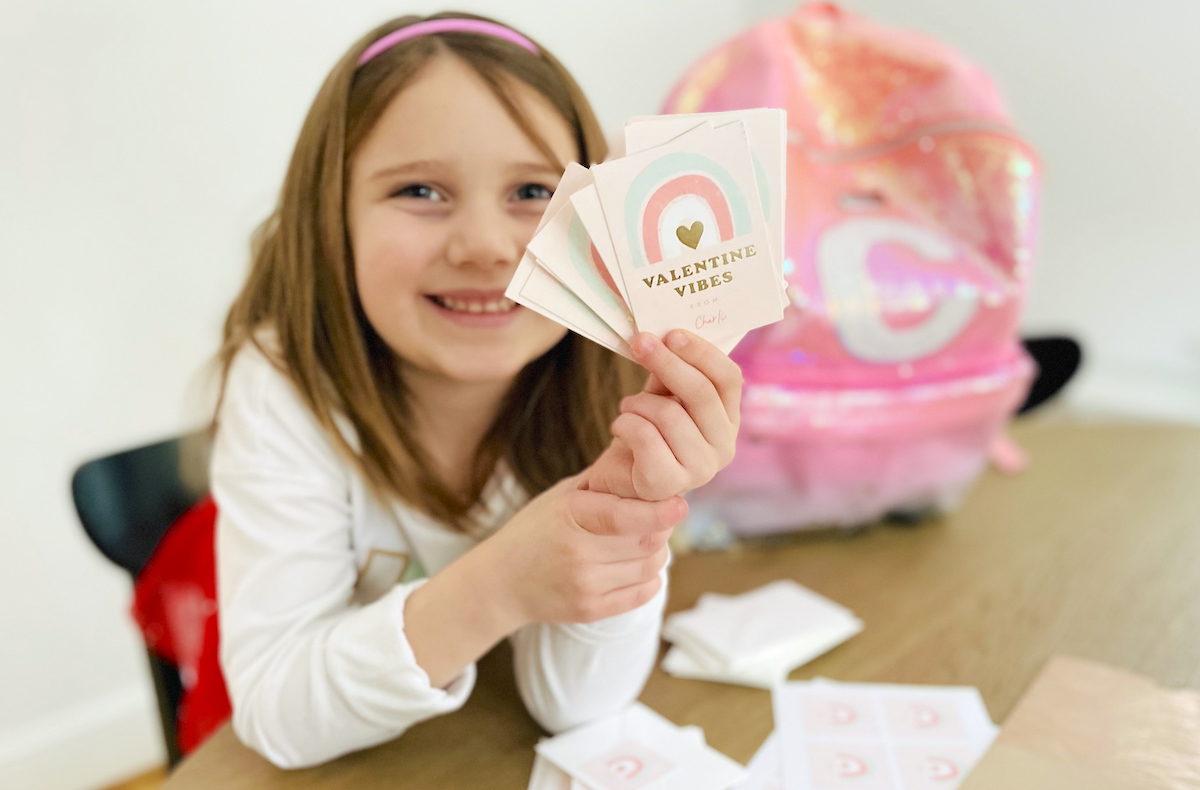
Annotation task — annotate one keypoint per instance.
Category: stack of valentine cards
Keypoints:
(830, 735)
(634, 749)
(684, 231)
(756, 638)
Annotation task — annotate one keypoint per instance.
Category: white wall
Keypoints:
(140, 143)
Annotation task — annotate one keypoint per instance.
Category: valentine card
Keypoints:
(766, 132)
(689, 237)
(834, 735)
(548, 776)
(564, 248)
(535, 288)
(640, 750)
(587, 207)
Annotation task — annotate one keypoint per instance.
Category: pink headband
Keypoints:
(446, 26)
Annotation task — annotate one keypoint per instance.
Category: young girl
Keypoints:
(410, 467)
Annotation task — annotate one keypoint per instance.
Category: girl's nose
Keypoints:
(483, 237)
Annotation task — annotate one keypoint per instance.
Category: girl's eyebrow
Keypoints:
(426, 165)
(418, 165)
(539, 166)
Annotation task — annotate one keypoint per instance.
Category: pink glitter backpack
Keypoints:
(911, 208)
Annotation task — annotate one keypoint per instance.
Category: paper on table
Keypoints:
(771, 620)
(548, 776)
(1084, 724)
(764, 770)
(887, 736)
(763, 671)
(640, 749)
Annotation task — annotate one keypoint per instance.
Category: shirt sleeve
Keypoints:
(311, 675)
(575, 673)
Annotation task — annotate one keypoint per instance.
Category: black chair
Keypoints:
(126, 502)
(1058, 358)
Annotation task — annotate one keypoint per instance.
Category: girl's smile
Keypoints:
(475, 308)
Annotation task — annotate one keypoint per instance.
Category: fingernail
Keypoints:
(643, 344)
(677, 340)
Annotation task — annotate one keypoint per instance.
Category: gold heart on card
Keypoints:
(690, 236)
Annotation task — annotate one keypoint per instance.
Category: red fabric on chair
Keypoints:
(175, 605)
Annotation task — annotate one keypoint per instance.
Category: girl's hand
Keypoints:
(681, 429)
(573, 556)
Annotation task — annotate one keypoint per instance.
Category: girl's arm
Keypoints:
(568, 556)
(570, 674)
(670, 438)
(311, 673)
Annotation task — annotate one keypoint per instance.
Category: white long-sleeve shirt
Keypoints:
(312, 576)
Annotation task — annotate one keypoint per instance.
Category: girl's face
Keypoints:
(443, 196)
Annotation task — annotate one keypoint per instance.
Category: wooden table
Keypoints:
(1094, 551)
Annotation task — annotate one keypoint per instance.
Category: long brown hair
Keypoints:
(554, 420)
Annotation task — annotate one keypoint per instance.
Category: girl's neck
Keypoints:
(451, 420)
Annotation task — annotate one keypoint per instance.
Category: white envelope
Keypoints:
(778, 619)
(765, 671)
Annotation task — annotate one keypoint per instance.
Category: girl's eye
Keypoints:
(534, 192)
(419, 191)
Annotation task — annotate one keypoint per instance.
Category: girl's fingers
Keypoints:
(623, 575)
(718, 368)
(690, 447)
(610, 473)
(611, 515)
(656, 473)
(706, 381)
(620, 601)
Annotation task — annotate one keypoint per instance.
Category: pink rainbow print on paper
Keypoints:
(925, 716)
(841, 714)
(695, 185)
(626, 767)
(588, 263)
(674, 190)
(941, 769)
(849, 765)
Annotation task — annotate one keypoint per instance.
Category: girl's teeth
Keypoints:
(499, 306)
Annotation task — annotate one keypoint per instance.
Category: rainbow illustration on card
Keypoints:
(682, 202)
(586, 259)
(693, 203)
